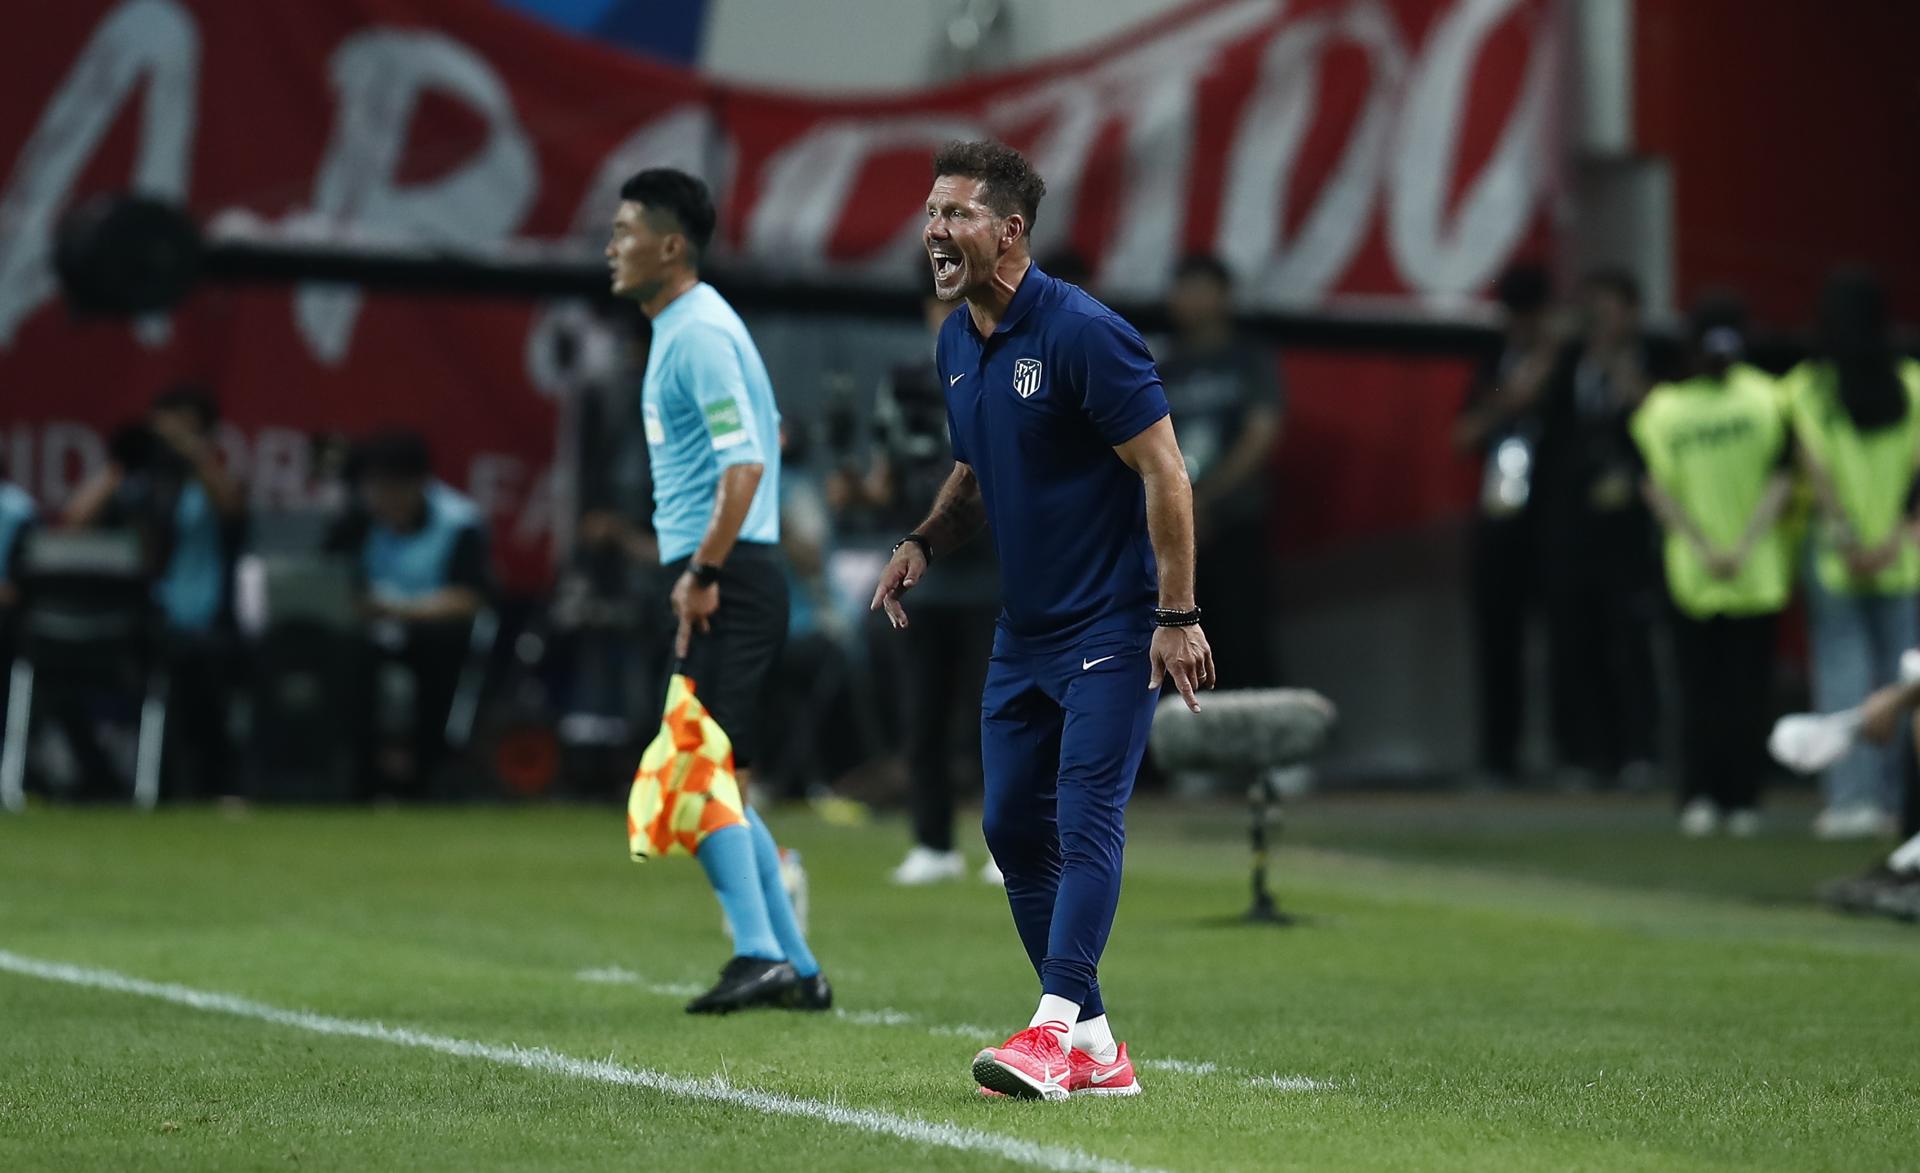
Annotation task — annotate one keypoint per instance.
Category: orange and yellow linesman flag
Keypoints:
(684, 789)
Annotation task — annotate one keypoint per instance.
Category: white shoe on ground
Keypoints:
(924, 865)
(1699, 818)
(1852, 822)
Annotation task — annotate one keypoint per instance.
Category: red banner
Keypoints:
(1377, 151)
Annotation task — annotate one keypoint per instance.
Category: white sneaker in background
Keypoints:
(793, 877)
(1743, 823)
(1699, 819)
(924, 865)
(1852, 822)
(990, 873)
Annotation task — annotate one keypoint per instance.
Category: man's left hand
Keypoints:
(694, 606)
(1880, 715)
(1182, 653)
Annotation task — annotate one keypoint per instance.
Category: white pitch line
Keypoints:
(1182, 1066)
(614, 975)
(931, 1133)
(887, 1016)
(1292, 1083)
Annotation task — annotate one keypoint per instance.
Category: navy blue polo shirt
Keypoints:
(1036, 410)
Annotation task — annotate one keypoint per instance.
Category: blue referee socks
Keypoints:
(743, 865)
(786, 926)
(728, 857)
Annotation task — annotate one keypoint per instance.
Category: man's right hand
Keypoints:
(1866, 562)
(904, 570)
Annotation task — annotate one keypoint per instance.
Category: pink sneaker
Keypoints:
(1087, 1076)
(1030, 1066)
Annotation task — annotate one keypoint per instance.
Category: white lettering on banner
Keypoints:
(1155, 79)
(379, 77)
(278, 477)
(273, 465)
(155, 39)
(493, 481)
(1262, 157)
(807, 185)
(687, 137)
(1435, 257)
(1075, 114)
(69, 454)
(1158, 98)
(234, 455)
(1403, 146)
(542, 509)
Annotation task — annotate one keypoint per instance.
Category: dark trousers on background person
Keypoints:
(1502, 585)
(1233, 587)
(197, 758)
(1726, 675)
(813, 733)
(947, 649)
(433, 655)
(1602, 612)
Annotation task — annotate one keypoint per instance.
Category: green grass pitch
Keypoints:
(1479, 984)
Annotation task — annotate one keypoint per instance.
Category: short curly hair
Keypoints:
(680, 197)
(1009, 183)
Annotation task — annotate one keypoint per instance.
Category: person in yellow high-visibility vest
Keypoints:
(1718, 459)
(1856, 415)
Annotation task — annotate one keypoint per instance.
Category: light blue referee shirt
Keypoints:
(17, 512)
(707, 405)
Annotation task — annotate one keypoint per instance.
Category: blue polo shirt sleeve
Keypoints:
(1120, 388)
(710, 370)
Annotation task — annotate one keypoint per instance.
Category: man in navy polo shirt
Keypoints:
(1063, 448)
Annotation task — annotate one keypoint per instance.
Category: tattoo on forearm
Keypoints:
(958, 513)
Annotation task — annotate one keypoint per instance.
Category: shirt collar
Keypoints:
(673, 308)
(1031, 284)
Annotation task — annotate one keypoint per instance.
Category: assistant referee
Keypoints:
(713, 438)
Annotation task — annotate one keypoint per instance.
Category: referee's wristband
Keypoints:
(704, 573)
(920, 540)
(1165, 618)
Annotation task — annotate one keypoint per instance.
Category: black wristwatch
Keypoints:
(919, 540)
(703, 574)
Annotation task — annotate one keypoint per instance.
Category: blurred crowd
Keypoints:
(1649, 511)
(165, 635)
(1653, 511)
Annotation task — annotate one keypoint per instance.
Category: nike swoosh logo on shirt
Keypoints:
(956, 378)
(1086, 664)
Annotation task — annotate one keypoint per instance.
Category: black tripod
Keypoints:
(1264, 806)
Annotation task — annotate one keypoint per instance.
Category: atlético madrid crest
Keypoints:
(1026, 376)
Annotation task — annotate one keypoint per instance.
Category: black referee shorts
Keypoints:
(732, 664)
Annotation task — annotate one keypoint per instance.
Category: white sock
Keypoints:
(1059, 1011)
(1906, 857)
(1095, 1037)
